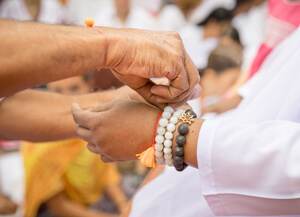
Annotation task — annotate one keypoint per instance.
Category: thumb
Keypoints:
(103, 107)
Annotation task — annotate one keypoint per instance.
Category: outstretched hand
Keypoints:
(117, 130)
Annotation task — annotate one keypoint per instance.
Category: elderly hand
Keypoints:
(135, 56)
(117, 130)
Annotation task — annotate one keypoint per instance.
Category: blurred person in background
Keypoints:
(45, 11)
(63, 177)
(121, 14)
(222, 70)
(283, 18)
(174, 15)
(200, 40)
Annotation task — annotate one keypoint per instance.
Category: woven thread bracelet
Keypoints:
(186, 118)
(90, 23)
(147, 157)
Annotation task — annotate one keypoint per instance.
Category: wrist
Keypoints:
(116, 43)
(190, 147)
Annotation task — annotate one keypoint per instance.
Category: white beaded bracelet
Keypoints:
(168, 137)
(160, 138)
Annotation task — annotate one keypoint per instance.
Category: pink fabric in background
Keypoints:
(283, 18)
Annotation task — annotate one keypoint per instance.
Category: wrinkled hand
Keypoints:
(117, 130)
(138, 55)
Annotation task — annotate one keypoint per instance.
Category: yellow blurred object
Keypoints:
(66, 166)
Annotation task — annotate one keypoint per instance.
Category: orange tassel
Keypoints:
(147, 157)
(89, 22)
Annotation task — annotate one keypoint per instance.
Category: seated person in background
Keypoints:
(64, 176)
(223, 69)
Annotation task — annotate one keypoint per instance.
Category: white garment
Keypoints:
(170, 18)
(264, 142)
(152, 6)
(198, 48)
(249, 160)
(51, 11)
(137, 18)
(12, 179)
(251, 27)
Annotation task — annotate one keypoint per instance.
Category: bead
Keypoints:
(169, 163)
(159, 139)
(168, 156)
(160, 160)
(184, 165)
(183, 129)
(178, 160)
(180, 140)
(163, 122)
(159, 147)
(159, 154)
(178, 167)
(168, 135)
(174, 120)
(168, 143)
(166, 115)
(178, 150)
(177, 114)
(161, 131)
(169, 109)
(167, 150)
(191, 112)
(171, 127)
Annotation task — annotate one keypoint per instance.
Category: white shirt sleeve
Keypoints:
(250, 169)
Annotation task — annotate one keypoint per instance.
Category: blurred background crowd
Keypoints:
(221, 36)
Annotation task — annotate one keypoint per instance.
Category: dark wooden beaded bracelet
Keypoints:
(180, 140)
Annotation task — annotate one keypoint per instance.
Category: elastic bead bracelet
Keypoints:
(169, 135)
(163, 146)
(186, 118)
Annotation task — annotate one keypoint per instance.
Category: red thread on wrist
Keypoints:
(147, 157)
(155, 126)
(90, 23)
(106, 46)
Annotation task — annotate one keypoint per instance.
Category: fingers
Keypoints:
(145, 92)
(177, 86)
(84, 134)
(92, 148)
(169, 94)
(102, 108)
(82, 117)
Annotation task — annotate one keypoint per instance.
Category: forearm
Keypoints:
(32, 54)
(43, 116)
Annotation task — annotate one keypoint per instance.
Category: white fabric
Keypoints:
(51, 11)
(250, 164)
(251, 27)
(247, 164)
(171, 18)
(198, 48)
(152, 6)
(80, 9)
(12, 179)
(137, 18)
